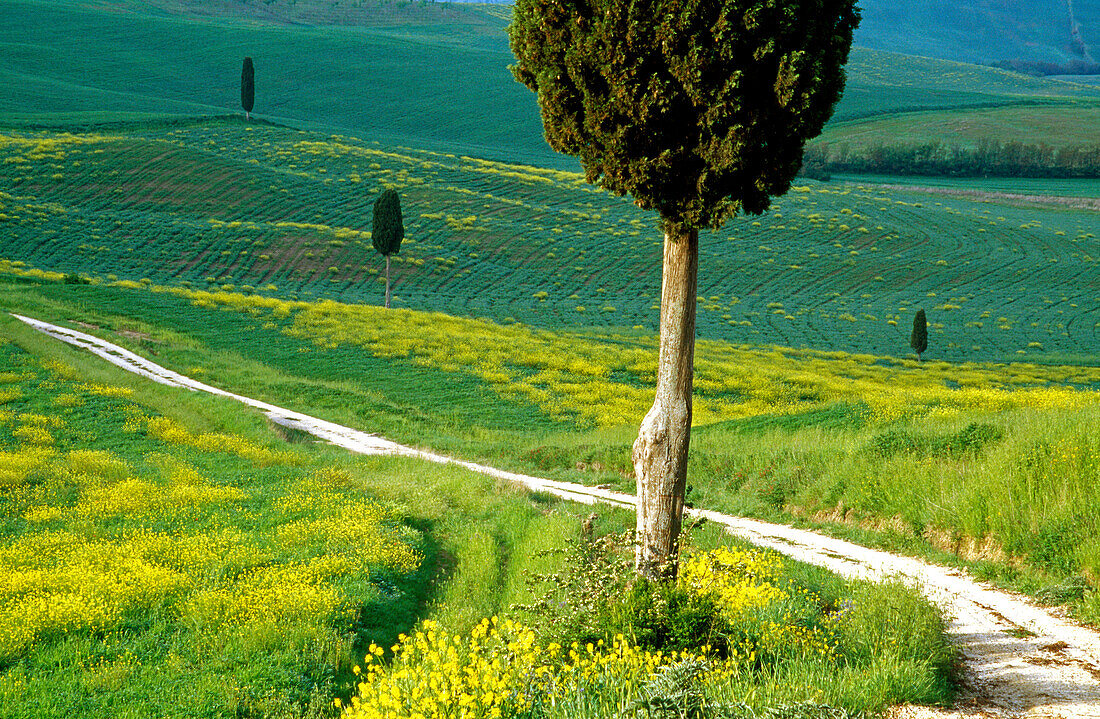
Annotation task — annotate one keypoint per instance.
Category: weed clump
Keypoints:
(740, 634)
(971, 440)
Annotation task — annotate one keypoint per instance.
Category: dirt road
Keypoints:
(1021, 660)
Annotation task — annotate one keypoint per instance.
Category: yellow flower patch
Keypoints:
(172, 432)
(16, 466)
(608, 380)
(500, 668)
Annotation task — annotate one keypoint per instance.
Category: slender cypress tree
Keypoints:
(248, 87)
(700, 111)
(919, 339)
(388, 229)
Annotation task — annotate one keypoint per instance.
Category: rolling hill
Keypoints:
(222, 204)
(984, 31)
(427, 75)
(161, 182)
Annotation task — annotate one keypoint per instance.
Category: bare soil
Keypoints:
(1015, 198)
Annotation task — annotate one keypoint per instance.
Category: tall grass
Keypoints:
(989, 462)
(165, 555)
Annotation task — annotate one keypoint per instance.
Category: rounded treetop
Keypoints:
(697, 108)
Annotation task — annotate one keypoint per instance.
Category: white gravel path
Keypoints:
(1021, 660)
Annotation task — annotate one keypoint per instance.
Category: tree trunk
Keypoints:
(387, 282)
(661, 450)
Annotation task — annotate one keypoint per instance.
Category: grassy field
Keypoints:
(165, 555)
(968, 127)
(844, 266)
(991, 464)
(895, 100)
(427, 75)
(454, 56)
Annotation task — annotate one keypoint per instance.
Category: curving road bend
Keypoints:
(1021, 660)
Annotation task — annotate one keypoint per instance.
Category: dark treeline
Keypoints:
(988, 159)
(1042, 69)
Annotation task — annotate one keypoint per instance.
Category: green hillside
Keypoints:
(434, 85)
(984, 31)
(426, 75)
(222, 204)
(881, 82)
(902, 101)
(968, 127)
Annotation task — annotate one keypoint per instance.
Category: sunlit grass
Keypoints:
(795, 635)
(114, 520)
(606, 380)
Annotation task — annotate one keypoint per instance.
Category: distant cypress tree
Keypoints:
(919, 339)
(388, 229)
(248, 87)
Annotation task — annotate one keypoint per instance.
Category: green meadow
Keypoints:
(165, 554)
(431, 76)
(219, 204)
(890, 100)
(987, 463)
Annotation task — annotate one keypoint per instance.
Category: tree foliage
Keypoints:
(248, 85)
(696, 108)
(388, 228)
(918, 340)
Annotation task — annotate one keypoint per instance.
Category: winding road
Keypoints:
(1021, 660)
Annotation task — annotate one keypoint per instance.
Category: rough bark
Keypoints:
(661, 450)
(387, 282)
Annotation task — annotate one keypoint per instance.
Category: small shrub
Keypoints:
(894, 441)
(1054, 546)
(970, 440)
(670, 617)
(573, 603)
(731, 604)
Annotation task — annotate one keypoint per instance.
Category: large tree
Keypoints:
(388, 229)
(248, 87)
(698, 109)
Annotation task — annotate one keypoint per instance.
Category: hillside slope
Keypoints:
(222, 204)
(435, 85)
(984, 31)
(429, 77)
